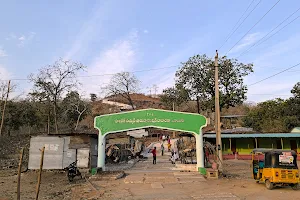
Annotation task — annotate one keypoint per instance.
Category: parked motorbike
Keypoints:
(72, 171)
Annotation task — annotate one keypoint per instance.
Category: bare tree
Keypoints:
(3, 89)
(56, 79)
(75, 106)
(123, 84)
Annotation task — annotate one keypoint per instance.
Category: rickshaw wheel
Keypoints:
(295, 186)
(269, 185)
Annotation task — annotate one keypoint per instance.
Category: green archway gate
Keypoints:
(171, 120)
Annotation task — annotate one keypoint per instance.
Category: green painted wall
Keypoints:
(286, 144)
(244, 146)
(226, 146)
(266, 143)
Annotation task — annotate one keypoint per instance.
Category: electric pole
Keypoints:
(217, 114)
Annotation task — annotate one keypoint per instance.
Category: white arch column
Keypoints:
(200, 153)
(101, 151)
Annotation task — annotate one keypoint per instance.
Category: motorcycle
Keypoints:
(72, 171)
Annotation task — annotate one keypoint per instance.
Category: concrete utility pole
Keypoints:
(217, 113)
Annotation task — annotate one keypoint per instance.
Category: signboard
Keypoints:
(180, 121)
(286, 158)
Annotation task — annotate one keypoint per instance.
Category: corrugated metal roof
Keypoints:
(256, 135)
(235, 130)
(233, 116)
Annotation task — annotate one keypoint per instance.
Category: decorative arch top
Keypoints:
(172, 120)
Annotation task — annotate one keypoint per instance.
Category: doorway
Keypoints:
(233, 145)
(293, 145)
(278, 144)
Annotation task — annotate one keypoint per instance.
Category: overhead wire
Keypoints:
(96, 75)
(233, 29)
(271, 94)
(262, 41)
(274, 75)
(252, 27)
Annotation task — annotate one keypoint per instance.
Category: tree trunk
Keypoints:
(198, 105)
(131, 103)
(48, 123)
(78, 118)
(29, 129)
(55, 118)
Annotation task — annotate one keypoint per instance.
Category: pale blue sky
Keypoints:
(113, 36)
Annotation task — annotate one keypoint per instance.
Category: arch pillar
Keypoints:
(101, 151)
(200, 153)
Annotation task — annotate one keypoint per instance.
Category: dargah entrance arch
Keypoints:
(146, 118)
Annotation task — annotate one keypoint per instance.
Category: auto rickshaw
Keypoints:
(275, 167)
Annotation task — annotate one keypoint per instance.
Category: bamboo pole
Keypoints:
(40, 174)
(3, 112)
(19, 174)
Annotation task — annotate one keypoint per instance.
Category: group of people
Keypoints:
(174, 152)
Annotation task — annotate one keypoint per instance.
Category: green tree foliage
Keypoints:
(276, 115)
(197, 76)
(20, 114)
(75, 108)
(123, 84)
(296, 90)
(52, 81)
(174, 95)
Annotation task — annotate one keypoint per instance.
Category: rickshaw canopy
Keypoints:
(278, 158)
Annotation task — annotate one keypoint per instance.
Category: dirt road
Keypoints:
(148, 181)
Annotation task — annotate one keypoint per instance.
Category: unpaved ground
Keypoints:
(148, 181)
(54, 185)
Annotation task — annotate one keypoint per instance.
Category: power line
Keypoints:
(271, 94)
(252, 27)
(234, 30)
(96, 75)
(260, 41)
(274, 75)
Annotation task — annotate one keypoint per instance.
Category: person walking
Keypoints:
(162, 149)
(169, 144)
(154, 155)
(169, 147)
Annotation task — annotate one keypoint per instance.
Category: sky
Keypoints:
(111, 36)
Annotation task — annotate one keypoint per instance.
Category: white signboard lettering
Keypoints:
(286, 158)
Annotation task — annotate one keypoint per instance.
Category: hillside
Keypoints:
(141, 101)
